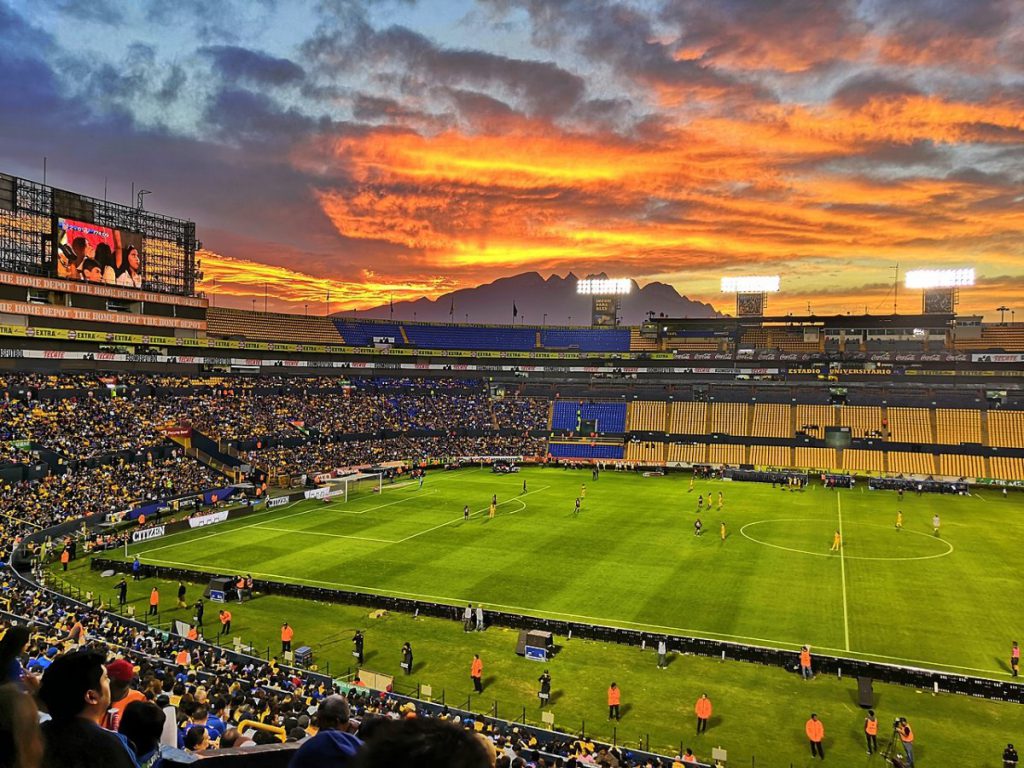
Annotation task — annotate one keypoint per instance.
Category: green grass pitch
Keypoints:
(631, 559)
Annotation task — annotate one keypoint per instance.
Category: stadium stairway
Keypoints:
(984, 432)
(206, 450)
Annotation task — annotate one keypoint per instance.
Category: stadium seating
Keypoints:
(1006, 428)
(645, 452)
(586, 451)
(586, 339)
(491, 338)
(955, 426)
(904, 463)
(819, 416)
(610, 417)
(863, 461)
(860, 419)
(1009, 337)
(727, 454)
(1006, 467)
(647, 416)
(954, 465)
(638, 343)
(817, 459)
(688, 454)
(729, 418)
(688, 418)
(910, 425)
(271, 326)
(772, 420)
(771, 455)
(361, 333)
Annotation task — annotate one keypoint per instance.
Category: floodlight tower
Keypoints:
(604, 309)
(751, 293)
(940, 288)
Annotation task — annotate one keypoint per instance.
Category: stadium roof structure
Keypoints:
(930, 321)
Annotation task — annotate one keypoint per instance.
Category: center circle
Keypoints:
(948, 548)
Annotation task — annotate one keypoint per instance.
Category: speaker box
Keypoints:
(865, 692)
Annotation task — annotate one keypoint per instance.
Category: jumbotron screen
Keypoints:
(837, 437)
(97, 254)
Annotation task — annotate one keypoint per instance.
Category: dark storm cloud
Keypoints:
(860, 89)
(242, 64)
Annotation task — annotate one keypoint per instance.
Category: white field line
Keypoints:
(842, 568)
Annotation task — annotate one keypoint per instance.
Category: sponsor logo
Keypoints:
(211, 519)
(317, 493)
(278, 501)
(148, 533)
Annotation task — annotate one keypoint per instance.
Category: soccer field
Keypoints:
(631, 559)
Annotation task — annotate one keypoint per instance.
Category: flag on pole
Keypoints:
(392, 306)
(451, 311)
(515, 310)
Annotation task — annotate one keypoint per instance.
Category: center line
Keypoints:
(842, 567)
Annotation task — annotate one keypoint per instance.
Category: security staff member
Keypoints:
(476, 671)
(1010, 758)
(614, 696)
(545, 688)
(871, 731)
(287, 633)
(407, 658)
(703, 710)
(357, 646)
(815, 731)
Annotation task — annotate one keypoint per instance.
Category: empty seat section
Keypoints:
(1007, 467)
(905, 463)
(610, 417)
(647, 416)
(358, 333)
(770, 455)
(957, 425)
(586, 339)
(688, 418)
(729, 418)
(638, 343)
(271, 326)
(814, 418)
(955, 465)
(863, 461)
(1006, 429)
(817, 458)
(910, 425)
(861, 419)
(585, 451)
(727, 454)
(499, 338)
(688, 454)
(771, 420)
(645, 453)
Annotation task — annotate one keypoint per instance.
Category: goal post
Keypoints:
(355, 485)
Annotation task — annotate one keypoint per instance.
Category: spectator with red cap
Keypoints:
(122, 694)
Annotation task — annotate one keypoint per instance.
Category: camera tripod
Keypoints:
(891, 754)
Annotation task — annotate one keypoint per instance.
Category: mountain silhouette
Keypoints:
(538, 300)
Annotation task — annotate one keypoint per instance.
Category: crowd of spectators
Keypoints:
(180, 700)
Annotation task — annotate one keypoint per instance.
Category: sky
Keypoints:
(397, 149)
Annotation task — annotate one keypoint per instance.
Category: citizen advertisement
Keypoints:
(148, 533)
(278, 501)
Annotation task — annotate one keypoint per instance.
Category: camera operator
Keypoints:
(1010, 758)
(906, 734)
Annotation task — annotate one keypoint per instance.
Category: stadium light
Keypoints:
(940, 278)
(604, 287)
(751, 284)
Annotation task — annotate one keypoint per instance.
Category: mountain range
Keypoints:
(537, 301)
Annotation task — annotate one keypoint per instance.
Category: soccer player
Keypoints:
(1015, 659)
(721, 530)
(935, 524)
(837, 542)
(576, 511)
(524, 486)
(721, 500)
(491, 510)
(494, 499)
(421, 478)
(700, 502)
(688, 490)
(465, 512)
(583, 491)
(697, 526)
(899, 520)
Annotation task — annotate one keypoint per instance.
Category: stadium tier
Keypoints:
(586, 451)
(574, 416)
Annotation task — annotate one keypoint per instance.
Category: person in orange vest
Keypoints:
(871, 731)
(614, 696)
(183, 658)
(689, 757)
(805, 663)
(154, 601)
(193, 633)
(476, 671)
(286, 637)
(65, 557)
(225, 622)
(703, 710)
(815, 734)
(906, 735)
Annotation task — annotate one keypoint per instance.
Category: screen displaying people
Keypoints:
(97, 254)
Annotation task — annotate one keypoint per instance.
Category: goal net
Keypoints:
(354, 485)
